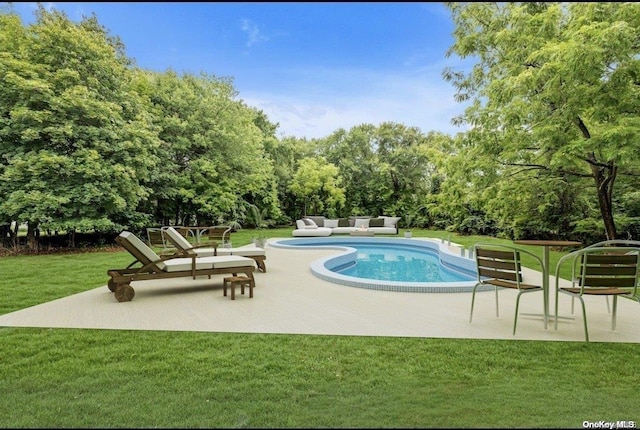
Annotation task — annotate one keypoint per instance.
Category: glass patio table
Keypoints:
(196, 232)
(546, 270)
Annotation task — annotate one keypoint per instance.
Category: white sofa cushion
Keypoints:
(319, 231)
(306, 223)
(343, 230)
(331, 223)
(391, 221)
(383, 230)
(361, 222)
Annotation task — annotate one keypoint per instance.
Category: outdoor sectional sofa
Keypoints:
(322, 226)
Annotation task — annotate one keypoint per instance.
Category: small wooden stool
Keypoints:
(237, 280)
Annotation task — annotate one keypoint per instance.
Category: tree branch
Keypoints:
(527, 167)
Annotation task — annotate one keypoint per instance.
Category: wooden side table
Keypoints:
(232, 281)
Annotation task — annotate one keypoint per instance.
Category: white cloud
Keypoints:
(319, 102)
(252, 30)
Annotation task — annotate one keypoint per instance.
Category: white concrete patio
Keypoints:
(290, 299)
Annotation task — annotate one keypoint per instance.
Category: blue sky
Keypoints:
(311, 67)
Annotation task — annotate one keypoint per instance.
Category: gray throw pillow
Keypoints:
(376, 222)
(319, 220)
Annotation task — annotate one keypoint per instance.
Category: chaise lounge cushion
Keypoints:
(245, 251)
(220, 262)
(184, 244)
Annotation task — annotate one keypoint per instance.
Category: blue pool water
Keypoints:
(399, 263)
(392, 264)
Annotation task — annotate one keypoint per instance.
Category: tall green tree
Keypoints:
(77, 146)
(554, 88)
(213, 146)
(405, 154)
(285, 154)
(365, 178)
(386, 169)
(318, 184)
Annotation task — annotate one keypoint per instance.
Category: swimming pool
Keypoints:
(421, 257)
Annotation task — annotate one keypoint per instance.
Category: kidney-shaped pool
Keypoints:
(390, 264)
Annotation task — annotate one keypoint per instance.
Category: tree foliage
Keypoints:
(213, 151)
(388, 169)
(318, 184)
(90, 142)
(77, 145)
(285, 155)
(555, 89)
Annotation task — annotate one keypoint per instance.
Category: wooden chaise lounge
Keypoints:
(211, 249)
(182, 264)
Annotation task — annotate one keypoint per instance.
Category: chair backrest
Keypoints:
(138, 248)
(616, 242)
(607, 267)
(178, 240)
(495, 263)
(220, 234)
(155, 237)
(184, 231)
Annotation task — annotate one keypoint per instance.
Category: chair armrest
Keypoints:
(212, 244)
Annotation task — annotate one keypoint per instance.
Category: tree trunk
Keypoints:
(7, 236)
(605, 176)
(16, 238)
(32, 236)
(71, 238)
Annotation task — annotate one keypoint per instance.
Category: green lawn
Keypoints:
(123, 378)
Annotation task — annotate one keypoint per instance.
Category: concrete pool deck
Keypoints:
(289, 299)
